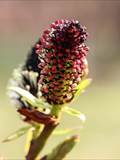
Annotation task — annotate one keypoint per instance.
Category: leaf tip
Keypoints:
(76, 138)
(82, 117)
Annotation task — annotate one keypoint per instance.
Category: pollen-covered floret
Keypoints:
(62, 60)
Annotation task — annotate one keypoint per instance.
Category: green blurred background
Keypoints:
(21, 24)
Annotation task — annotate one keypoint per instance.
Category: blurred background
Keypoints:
(21, 24)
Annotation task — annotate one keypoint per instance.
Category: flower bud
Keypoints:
(59, 59)
(62, 60)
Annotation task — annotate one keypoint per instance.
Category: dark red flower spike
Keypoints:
(62, 60)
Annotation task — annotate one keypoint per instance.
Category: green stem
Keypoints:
(56, 111)
(37, 144)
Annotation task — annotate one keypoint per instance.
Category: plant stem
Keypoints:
(56, 111)
(37, 144)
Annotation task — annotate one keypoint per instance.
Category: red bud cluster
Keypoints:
(62, 60)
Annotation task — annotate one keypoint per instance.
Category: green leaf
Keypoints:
(32, 134)
(28, 139)
(28, 97)
(65, 131)
(82, 86)
(62, 149)
(17, 134)
(74, 112)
